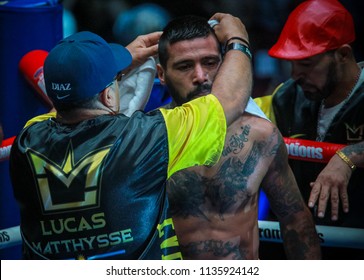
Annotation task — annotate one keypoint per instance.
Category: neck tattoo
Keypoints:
(324, 123)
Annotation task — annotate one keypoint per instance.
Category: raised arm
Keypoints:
(233, 83)
(298, 231)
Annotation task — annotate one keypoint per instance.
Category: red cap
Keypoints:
(314, 27)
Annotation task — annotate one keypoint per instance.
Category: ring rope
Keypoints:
(309, 150)
(268, 231)
(298, 149)
(329, 236)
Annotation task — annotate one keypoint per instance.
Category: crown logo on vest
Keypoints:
(70, 185)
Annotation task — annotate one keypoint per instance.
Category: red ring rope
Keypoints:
(298, 149)
(309, 150)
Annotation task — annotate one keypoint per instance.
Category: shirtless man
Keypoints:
(217, 217)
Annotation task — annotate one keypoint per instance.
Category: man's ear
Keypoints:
(107, 97)
(344, 52)
(160, 72)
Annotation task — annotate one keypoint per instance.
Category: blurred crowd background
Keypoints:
(121, 21)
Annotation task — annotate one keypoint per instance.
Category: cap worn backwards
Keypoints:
(82, 65)
(314, 27)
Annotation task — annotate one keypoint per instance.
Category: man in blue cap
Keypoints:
(90, 182)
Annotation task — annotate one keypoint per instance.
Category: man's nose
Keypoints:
(200, 75)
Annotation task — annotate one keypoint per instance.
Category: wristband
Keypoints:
(238, 38)
(346, 160)
(240, 47)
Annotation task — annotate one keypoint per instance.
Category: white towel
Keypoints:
(254, 109)
(136, 86)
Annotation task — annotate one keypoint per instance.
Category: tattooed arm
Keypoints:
(333, 180)
(298, 231)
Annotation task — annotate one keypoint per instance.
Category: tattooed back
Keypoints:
(215, 208)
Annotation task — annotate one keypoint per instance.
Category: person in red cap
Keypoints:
(91, 182)
(323, 101)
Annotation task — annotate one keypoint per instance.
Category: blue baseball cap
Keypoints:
(81, 66)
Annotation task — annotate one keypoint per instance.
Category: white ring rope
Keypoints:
(268, 231)
(329, 236)
(10, 237)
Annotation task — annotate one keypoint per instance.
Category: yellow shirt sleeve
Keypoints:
(196, 133)
(40, 118)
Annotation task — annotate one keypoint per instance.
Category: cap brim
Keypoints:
(122, 56)
(281, 51)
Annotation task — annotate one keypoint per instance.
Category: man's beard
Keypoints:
(199, 90)
(328, 88)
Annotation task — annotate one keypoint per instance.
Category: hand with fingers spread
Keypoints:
(331, 185)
